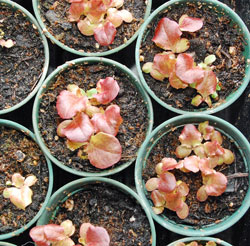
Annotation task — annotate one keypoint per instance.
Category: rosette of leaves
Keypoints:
(89, 127)
(99, 18)
(59, 235)
(200, 150)
(181, 70)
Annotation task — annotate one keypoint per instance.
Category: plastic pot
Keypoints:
(75, 186)
(13, 125)
(201, 239)
(37, 7)
(220, 8)
(6, 244)
(44, 70)
(226, 129)
(111, 64)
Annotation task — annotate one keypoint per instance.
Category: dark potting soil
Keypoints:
(15, 145)
(103, 205)
(216, 36)
(21, 65)
(133, 111)
(67, 32)
(214, 209)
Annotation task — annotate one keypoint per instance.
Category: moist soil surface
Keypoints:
(55, 19)
(133, 111)
(15, 145)
(214, 209)
(216, 36)
(21, 65)
(103, 205)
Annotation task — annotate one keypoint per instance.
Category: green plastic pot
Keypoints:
(85, 61)
(31, 18)
(36, 7)
(6, 244)
(222, 8)
(14, 125)
(141, 163)
(201, 239)
(75, 186)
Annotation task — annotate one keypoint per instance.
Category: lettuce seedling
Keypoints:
(91, 128)
(99, 18)
(7, 44)
(194, 243)
(59, 235)
(21, 194)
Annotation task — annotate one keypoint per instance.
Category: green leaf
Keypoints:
(91, 93)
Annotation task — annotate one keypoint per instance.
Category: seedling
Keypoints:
(59, 235)
(5, 43)
(99, 18)
(92, 129)
(200, 151)
(21, 194)
(194, 243)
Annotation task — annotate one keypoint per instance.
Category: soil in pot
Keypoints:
(56, 21)
(102, 205)
(215, 208)
(20, 154)
(217, 36)
(133, 111)
(21, 65)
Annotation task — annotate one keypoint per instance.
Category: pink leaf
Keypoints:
(206, 130)
(169, 164)
(97, 236)
(207, 86)
(109, 122)
(108, 89)
(186, 71)
(174, 201)
(191, 163)
(182, 189)
(114, 17)
(201, 194)
(152, 184)
(104, 150)
(213, 148)
(86, 27)
(190, 136)
(175, 82)
(105, 35)
(183, 212)
(79, 130)
(157, 198)
(183, 151)
(190, 24)
(76, 10)
(37, 235)
(68, 104)
(204, 166)
(167, 182)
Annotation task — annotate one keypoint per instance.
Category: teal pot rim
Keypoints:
(37, 7)
(6, 244)
(14, 125)
(207, 239)
(234, 95)
(47, 82)
(64, 192)
(46, 53)
(227, 129)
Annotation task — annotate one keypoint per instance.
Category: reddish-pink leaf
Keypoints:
(38, 236)
(175, 82)
(109, 122)
(164, 63)
(76, 10)
(68, 104)
(190, 24)
(204, 166)
(96, 11)
(186, 71)
(97, 236)
(206, 129)
(168, 164)
(183, 212)
(174, 201)
(152, 184)
(201, 194)
(104, 150)
(167, 34)
(182, 189)
(190, 136)
(105, 35)
(108, 89)
(183, 151)
(207, 86)
(157, 198)
(213, 148)
(191, 163)
(217, 136)
(80, 129)
(228, 156)
(167, 182)
(215, 184)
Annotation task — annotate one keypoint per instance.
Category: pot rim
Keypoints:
(91, 60)
(234, 95)
(36, 8)
(32, 19)
(65, 191)
(17, 126)
(151, 140)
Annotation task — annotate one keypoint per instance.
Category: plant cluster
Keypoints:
(200, 150)
(181, 70)
(194, 243)
(90, 128)
(21, 194)
(99, 18)
(59, 235)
